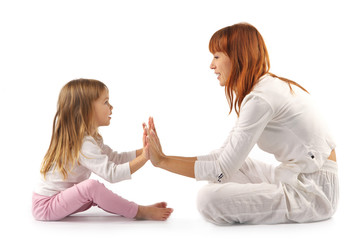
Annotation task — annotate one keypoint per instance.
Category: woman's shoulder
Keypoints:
(268, 84)
(272, 90)
(272, 87)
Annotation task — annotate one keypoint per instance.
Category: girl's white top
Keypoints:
(94, 157)
(287, 125)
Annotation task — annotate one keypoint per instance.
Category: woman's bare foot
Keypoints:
(158, 211)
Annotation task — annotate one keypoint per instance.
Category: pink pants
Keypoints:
(79, 198)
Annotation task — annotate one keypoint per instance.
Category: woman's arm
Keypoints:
(176, 164)
(180, 165)
(256, 113)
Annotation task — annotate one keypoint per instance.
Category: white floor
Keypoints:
(184, 223)
(96, 225)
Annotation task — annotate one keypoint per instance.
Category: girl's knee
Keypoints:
(90, 185)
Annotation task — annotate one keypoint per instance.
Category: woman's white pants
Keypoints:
(253, 196)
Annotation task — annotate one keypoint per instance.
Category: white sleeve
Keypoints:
(214, 155)
(254, 115)
(118, 158)
(95, 160)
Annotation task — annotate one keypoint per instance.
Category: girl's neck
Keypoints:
(93, 133)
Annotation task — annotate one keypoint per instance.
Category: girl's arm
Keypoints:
(142, 154)
(138, 152)
(94, 159)
(137, 163)
(124, 157)
(118, 158)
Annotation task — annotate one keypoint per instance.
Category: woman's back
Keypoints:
(296, 134)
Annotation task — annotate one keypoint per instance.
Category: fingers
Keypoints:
(153, 136)
(146, 148)
(146, 131)
(151, 124)
(145, 134)
(154, 144)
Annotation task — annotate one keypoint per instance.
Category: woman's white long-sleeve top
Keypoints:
(285, 124)
(94, 157)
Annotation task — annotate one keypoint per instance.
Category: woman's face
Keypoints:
(222, 65)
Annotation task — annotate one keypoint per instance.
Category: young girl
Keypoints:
(76, 150)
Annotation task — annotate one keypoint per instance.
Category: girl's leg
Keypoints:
(80, 197)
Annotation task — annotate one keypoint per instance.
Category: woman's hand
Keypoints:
(180, 165)
(152, 128)
(155, 148)
(156, 155)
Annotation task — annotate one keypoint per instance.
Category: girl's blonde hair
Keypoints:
(72, 122)
(245, 47)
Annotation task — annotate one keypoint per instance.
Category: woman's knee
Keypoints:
(208, 197)
(210, 202)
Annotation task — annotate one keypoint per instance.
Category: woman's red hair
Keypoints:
(245, 47)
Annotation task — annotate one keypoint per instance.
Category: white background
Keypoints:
(153, 56)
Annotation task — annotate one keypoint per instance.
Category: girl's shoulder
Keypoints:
(91, 142)
(89, 138)
(90, 148)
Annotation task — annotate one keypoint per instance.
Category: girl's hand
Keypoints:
(145, 153)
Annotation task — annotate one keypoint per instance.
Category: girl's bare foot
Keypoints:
(159, 205)
(156, 211)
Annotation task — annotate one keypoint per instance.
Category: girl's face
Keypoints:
(102, 110)
(222, 66)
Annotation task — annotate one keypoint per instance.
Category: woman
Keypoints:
(277, 114)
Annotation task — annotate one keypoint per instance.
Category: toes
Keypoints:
(160, 205)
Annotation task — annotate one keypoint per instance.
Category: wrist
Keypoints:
(138, 152)
(162, 161)
(143, 158)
